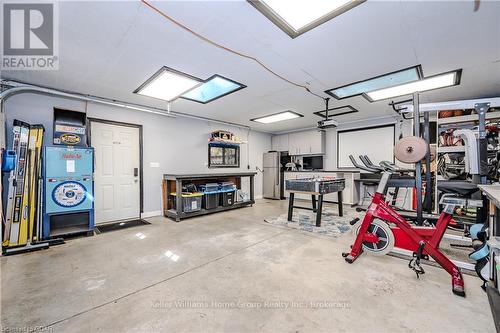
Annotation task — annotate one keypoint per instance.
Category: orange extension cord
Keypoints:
(229, 49)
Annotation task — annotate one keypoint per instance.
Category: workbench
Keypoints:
(492, 192)
(172, 183)
(314, 187)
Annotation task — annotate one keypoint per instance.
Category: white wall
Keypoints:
(330, 160)
(178, 144)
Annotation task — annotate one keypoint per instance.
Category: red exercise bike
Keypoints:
(383, 228)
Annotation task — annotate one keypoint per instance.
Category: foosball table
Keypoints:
(316, 187)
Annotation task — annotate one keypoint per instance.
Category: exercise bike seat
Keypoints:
(457, 187)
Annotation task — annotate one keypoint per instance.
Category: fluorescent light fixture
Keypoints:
(272, 118)
(168, 84)
(338, 111)
(297, 17)
(379, 82)
(215, 87)
(433, 82)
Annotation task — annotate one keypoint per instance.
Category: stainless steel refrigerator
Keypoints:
(273, 175)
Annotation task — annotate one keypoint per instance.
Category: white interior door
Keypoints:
(117, 170)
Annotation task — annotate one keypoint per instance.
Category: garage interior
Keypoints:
(250, 166)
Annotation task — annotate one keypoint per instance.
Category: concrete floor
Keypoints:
(228, 272)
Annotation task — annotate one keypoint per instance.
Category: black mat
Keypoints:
(119, 225)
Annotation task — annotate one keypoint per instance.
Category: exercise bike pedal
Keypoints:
(360, 209)
(414, 264)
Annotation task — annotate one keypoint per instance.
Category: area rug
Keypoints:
(332, 224)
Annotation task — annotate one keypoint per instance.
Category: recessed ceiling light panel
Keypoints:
(168, 84)
(338, 111)
(297, 17)
(281, 116)
(379, 82)
(215, 87)
(433, 82)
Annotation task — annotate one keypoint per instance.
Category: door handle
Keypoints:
(136, 172)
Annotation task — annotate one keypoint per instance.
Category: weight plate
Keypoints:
(411, 149)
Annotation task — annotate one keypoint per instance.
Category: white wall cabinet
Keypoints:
(300, 143)
(294, 143)
(316, 141)
(280, 142)
(307, 143)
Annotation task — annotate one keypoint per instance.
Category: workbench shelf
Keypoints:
(173, 214)
(173, 183)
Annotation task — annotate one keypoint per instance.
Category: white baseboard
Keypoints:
(151, 214)
(258, 197)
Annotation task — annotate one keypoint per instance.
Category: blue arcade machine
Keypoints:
(68, 191)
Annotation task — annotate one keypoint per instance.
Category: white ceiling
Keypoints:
(109, 48)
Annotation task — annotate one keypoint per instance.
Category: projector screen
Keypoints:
(376, 142)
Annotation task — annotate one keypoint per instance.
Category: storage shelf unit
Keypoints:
(458, 122)
(174, 183)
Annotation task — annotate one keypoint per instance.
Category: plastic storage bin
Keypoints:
(227, 186)
(210, 195)
(191, 202)
(227, 198)
(211, 200)
(211, 188)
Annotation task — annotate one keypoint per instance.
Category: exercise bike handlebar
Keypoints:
(395, 168)
(384, 180)
(359, 166)
(388, 166)
(372, 168)
(369, 164)
(368, 160)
